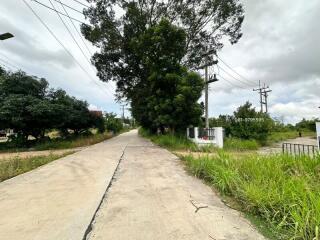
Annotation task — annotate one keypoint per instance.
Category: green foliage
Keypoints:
(207, 24)
(309, 125)
(144, 52)
(281, 189)
(168, 99)
(12, 167)
(29, 108)
(246, 123)
(112, 123)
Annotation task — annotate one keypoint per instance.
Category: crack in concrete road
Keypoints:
(104, 197)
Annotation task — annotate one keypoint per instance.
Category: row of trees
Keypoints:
(245, 123)
(30, 107)
(150, 49)
(248, 123)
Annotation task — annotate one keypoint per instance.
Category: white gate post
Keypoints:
(218, 134)
(196, 135)
(318, 134)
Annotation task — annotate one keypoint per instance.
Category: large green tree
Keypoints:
(115, 26)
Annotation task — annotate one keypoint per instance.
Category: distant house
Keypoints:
(6, 132)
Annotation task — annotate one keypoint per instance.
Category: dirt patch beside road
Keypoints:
(5, 156)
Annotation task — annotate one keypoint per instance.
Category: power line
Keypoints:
(63, 4)
(81, 3)
(74, 26)
(244, 83)
(68, 30)
(56, 38)
(231, 83)
(46, 6)
(253, 82)
(72, 36)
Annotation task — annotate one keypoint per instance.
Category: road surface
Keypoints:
(92, 195)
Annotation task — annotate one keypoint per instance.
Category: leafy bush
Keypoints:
(112, 123)
(283, 190)
(246, 123)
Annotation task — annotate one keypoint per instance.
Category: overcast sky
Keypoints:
(280, 47)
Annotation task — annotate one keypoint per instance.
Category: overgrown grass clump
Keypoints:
(240, 144)
(283, 190)
(169, 141)
(15, 166)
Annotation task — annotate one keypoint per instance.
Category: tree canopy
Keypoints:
(148, 47)
(29, 107)
(116, 25)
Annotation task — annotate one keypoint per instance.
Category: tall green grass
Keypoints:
(15, 166)
(240, 144)
(283, 190)
(169, 141)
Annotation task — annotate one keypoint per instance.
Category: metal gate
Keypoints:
(300, 149)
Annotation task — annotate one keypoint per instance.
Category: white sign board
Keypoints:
(318, 134)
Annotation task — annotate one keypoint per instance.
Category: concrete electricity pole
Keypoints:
(208, 80)
(263, 92)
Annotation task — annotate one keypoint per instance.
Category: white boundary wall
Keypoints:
(217, 140)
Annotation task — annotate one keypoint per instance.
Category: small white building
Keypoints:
(202, 136)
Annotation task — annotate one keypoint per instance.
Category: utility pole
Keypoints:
(122, 106)
(263, 92)
(208, 80)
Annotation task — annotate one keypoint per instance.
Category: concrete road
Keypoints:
(57, 201)
(153, 198)
(149, 197)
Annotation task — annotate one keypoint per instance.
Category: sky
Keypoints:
(280, 47)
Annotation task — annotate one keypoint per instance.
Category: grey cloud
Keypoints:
(27, 47)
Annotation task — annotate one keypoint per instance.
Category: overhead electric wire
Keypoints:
(57, 39)
(230, 82)
(81, 3)
(70, 33)
(253, 82)
(63, 4)
(46, 6)
(74, 26)
(240, 81)
(72, 36)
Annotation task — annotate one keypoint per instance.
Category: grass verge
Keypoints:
(15, 166)
(281, 190)
(72, 142)
(58, 143)
(169, 141)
